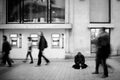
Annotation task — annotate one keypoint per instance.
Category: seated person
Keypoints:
(79, 61)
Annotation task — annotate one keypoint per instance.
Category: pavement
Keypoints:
(58, 69)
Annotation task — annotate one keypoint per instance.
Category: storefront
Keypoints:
(68, 25)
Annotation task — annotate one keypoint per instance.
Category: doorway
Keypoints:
(94, 34)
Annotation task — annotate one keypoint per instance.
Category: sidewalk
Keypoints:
(57, 70)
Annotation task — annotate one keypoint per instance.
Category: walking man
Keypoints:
(41, 46)
(103, 52)
(6, 47)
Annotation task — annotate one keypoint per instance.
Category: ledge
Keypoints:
(35, 26)
(100, 25)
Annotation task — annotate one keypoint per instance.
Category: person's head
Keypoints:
(102, 29)
(4, 38)
(29, 38)
(79, 53)
(40, 33)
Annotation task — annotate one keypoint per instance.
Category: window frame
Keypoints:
(109, 14)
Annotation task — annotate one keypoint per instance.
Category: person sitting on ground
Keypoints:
(79, 60)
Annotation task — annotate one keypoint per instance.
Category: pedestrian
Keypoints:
(6, 47)
(29, 52)
(79, 60)
(103, 51)
(42, 44)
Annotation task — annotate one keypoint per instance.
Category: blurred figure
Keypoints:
(29, 52)
(103, 51)
(6, 47)
(41, 46)
(79, 61)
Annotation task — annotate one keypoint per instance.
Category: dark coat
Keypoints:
(79, 59)
(103, 45)
(6, 47)
(42, 44)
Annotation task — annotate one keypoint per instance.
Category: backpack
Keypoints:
(46, 45)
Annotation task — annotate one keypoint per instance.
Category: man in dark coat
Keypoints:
(6, 51)
(79, 61)
(41, 46)
(103, 51)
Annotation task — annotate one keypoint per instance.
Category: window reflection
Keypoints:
(13, 11)
(36, 11)
(58, 11)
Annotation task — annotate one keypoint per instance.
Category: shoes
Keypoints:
(10, 66)
(47, 63)
(37, 65)
(104, 76)
(95, 73)
(31, 62)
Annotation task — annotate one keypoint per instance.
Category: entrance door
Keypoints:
(94, 34)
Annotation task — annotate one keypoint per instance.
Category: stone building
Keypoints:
(68, 25)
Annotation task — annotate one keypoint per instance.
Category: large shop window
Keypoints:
(94, 35)
(100, 11)
(35, 11)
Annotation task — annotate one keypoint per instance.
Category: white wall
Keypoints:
(1, 34)
(80, 35)
(115, 34)
(49, 52)
(1, 11)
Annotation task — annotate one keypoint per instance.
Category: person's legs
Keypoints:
(26, 57)
(76, 66)
(3, 59)
(39, 58)
(28, 53)
(105, 68)
(9, 62)
(98, 61)
(31, 57)
(8, 59)
(47, 61)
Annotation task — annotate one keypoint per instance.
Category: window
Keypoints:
(100, 11)
(94, 34)
(36, 11)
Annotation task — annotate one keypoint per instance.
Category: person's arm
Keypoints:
(83, 59)
(75, 59)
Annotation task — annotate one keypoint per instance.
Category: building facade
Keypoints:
(68, 25)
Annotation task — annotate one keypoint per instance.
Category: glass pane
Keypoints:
(58, 11)
(94, 35)
(35, 11)
(13, 11)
